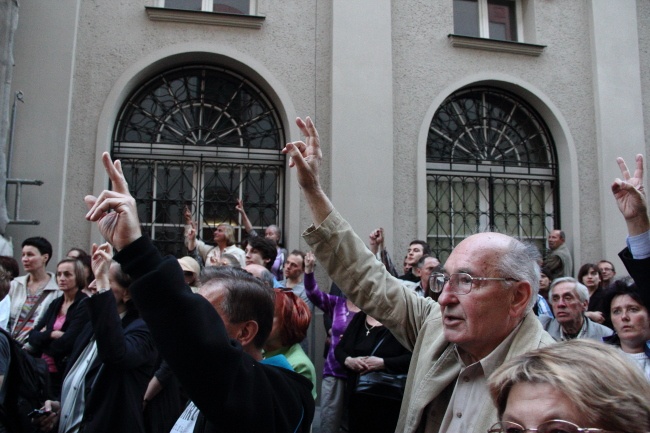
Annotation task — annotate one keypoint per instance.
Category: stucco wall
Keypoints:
(74, 91)
(428, 69)
(114, 40)
(44, 56)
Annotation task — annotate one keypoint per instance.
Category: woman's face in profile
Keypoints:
(531, 404)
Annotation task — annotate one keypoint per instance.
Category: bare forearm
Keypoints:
(319, 204)
(638, 225)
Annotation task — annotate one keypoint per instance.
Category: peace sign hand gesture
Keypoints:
(630, 197)
(115, 210)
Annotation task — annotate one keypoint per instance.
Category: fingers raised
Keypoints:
(115, 173)
(624, 171)
(638, 172)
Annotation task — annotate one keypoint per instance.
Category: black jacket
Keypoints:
(117, 379)
(639, 270)
(234, 392)
(58, 348)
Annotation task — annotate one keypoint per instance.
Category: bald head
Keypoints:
(504, 256)
(259, 271)
(500, 291)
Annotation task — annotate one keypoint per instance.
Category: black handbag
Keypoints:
(381, 383)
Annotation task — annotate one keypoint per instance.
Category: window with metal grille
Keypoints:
(491, 165)
(200, 137)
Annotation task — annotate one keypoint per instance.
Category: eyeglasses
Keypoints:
(552, 426)
(459, 284)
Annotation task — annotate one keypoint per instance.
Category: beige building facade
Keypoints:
(372, 74)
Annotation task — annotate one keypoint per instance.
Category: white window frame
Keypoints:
(484, 22)
(207, 5)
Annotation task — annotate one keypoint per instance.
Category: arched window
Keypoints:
(491, 165)
(200, 137)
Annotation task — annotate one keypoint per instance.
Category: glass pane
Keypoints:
(174, 191)
(503, 20)
(192, 5)
(140, 178)
(220, 193)
(466, 18)
(200, 106)
(232, 6)
(260, 195)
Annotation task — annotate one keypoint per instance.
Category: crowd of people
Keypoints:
(501, 337)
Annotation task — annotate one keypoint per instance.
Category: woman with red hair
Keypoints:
(290, 322)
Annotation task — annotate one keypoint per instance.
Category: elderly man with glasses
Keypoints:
(483, 316)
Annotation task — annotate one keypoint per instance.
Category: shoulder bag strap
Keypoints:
(38, 302)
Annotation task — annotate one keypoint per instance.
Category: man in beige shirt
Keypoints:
(482, 318)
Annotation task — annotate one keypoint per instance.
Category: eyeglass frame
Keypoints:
(447, 278)
(523, 429)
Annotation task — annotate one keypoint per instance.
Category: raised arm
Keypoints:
(630, 197)
(306, 157)
(320, 299)
(244, 217)
(631, 200)
(114, 210)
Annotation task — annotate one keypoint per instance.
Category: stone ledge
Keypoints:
(200, 17)
(496, 45)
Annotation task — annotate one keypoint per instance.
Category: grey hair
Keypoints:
(277, 230)
(581, 289)
(267, 278)
(520, 262)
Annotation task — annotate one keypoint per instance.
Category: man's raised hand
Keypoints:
(630, 197)
(306, 157)
(115, 210)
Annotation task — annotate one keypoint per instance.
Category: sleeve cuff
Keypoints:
(639, 245)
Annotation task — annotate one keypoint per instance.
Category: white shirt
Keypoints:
(5, 312)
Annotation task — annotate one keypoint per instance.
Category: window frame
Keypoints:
(484, 21)
(517, 196)
(248, 168)
(208, 5)
(252, 20)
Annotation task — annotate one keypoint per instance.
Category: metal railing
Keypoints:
(14, 218)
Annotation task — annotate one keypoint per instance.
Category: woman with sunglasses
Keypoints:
(574, 387)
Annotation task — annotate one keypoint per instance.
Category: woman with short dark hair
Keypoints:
(631, 321)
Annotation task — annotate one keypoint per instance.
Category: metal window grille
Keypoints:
(491, 165)
(201, 137)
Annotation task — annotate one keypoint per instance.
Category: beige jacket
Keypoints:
(415, 322)
(18, 295)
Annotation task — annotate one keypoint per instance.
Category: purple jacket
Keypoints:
(336, 308)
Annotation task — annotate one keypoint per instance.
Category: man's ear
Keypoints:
(521, 293)
(247, 332)
(416, 271)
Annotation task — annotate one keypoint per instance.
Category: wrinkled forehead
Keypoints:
(478, 254)
(565, 287)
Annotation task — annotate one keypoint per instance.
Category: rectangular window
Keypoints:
(492, 19)
(241, 7)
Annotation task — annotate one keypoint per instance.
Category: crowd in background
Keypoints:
(216, 340)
